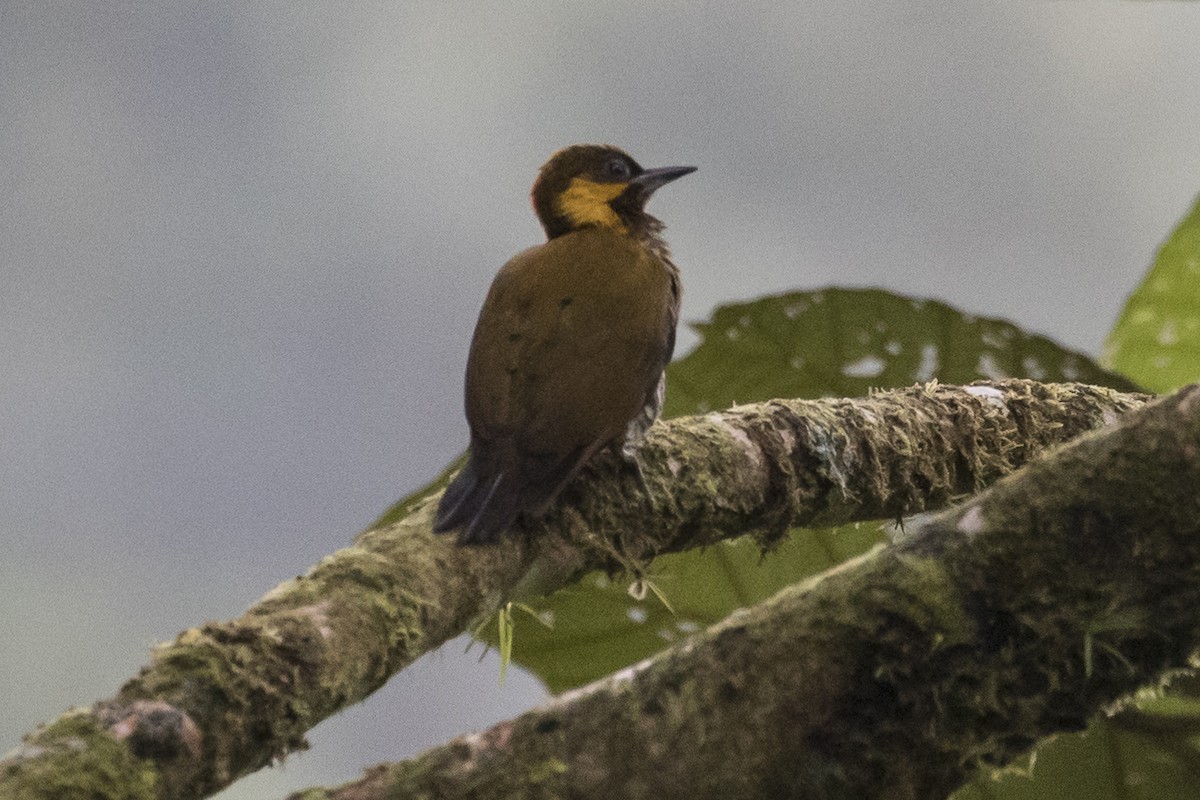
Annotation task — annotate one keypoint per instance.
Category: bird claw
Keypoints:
(630, 457)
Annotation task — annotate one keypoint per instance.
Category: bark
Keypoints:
(227, 698)
(1019, 613)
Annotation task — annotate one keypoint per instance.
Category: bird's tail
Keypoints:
(480, 506)
(483, 501)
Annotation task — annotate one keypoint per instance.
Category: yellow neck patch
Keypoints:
(586, 202)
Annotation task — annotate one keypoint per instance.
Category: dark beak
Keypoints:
(651, 179)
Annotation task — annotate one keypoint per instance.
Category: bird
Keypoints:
(569, 353)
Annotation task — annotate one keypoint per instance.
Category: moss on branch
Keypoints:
(1019, 613)
(227, 698)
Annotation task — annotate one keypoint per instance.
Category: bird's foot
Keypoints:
(630, 456)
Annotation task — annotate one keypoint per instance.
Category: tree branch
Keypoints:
(902, 674)
(225, 699)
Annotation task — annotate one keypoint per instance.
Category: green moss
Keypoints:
(547, 769)
(936, 603)
(75, 759)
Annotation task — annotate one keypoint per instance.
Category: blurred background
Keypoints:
(242, 250)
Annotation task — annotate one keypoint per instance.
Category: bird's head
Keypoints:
(593, 185)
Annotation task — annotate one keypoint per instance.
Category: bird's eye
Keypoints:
(616, 169)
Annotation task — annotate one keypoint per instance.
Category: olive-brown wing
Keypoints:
(571, 339)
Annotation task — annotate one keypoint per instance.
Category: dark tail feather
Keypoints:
(483, 503)
(481, 507)
(455, 508)
(497, 512)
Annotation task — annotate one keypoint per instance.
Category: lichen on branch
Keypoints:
(227, 698)
(1019, 613)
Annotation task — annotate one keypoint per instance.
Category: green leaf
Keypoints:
(1105, 762)
(804, 344)
(600, 627)
(843, 342)
(810, 344)
(504, 633)
(1157, 339)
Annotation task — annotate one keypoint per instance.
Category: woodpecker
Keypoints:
(569, 352)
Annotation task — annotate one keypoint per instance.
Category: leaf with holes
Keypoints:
(1157, 339)
(1108, 761)
(804, 344)
(843, 342)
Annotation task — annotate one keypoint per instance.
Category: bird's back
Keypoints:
(569, 348)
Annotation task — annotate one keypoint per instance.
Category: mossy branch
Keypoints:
(1019, 613)
(227, 698)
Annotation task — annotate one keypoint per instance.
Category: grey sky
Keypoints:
(242, 248)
